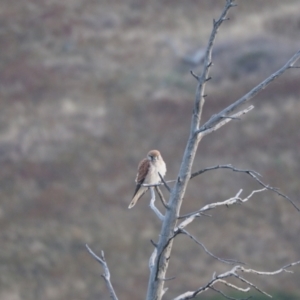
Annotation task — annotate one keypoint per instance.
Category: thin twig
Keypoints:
(161, 197)
(234, 200)
(204, 77)
(283, 269)
(222, 167)
(106, 274)
(164, 182)
(225, 120)
(226, 261)
(234, 273)
(252, 285)
(251, 173)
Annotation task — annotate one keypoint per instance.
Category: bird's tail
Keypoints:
(137, 195)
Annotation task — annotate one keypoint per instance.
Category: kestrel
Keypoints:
(148, 170)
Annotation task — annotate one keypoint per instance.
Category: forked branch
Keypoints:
(234, 200)
(106, 274)
(168, 232)
(234, 272)
(225, 112)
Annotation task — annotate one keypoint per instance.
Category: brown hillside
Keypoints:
(87, 88)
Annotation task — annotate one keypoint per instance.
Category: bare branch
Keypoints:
(233, 273)
(153, 207)
(164, 246)
(227, 120)
(164, 182)
(226, 261)
(253, 174)
(106, 274)
(188, 219)
(252, 285)
(226, 296)
(218, 117)
(214, 280)
(194, 75)
(234, 200)
(244, 290)
(283, 269)
(204, 77)
(167, 234)
(161, 197)
(223, 167)
(162, 251)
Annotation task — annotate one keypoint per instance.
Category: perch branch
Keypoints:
(153, 207)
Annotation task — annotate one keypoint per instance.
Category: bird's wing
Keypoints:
(142, 171)
(140, 178)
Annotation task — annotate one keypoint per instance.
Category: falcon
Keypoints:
(148, 170)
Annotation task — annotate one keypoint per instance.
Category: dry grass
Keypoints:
(87, 88)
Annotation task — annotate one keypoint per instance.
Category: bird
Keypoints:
(148, 170)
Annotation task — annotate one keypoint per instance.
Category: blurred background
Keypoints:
(87, 88)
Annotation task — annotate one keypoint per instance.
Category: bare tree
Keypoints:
(173, 223)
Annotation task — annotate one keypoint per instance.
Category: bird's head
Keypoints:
(153, 155)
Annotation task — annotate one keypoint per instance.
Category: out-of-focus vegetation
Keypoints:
(86, 89)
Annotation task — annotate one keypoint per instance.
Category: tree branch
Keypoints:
(218, 117)
(227, 120)
(254, 175)
(223, 167)
(226, 296)
(106, 274)
(234, 200)
(153, 207)
(164, 246)
(204, 77)
(167, 233)
(164, 182)
(234, 273)
(226, 261)
(161, 196)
